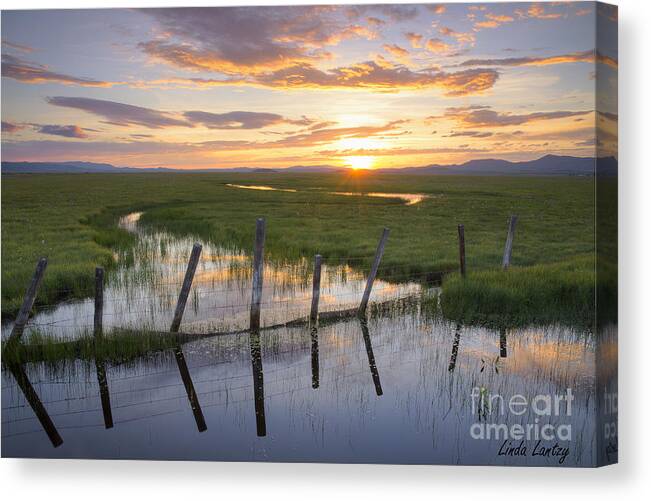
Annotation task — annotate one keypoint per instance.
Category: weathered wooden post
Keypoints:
(104, 395)
(462, 250)
(28, 302)
(371, 357)
(35, 403)
(189, 390)
(185, 288)
(506, 260)
(502, 343)
(455, 349)
(99, 301)
(316, 290)
(178, 352)
(371, 277)
(258, 274)
(314, 336)
(258, 383)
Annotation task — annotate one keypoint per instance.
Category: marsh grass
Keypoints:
(118, 346)
(559, 293)
(72, 219)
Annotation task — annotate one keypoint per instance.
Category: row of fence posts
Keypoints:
(256, 292)
(257, 287)
(254, 332)
(508, 247)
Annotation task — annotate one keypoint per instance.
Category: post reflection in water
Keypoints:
(314, 335)
(455, 349)
(104, 392)
(189, 389)
(35, 403)
(503, 343)
(258, 382)
(371, 357)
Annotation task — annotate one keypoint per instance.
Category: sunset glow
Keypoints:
(357, 163)
(362, 87)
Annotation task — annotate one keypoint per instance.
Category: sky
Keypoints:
(363, 87)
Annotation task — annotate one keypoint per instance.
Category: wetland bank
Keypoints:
(395, 387)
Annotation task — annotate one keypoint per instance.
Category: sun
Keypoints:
(360, 162)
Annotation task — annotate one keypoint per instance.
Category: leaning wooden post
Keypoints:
(178, 352)
(506, 260)
(316, 290)
(258, 274)
(462, 250)
(28, 302)
(99, 301)
(371, 276)
(185, 288)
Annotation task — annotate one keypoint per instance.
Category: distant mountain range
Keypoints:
(549, 165)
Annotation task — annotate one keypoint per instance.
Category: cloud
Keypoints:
(460, 37)
(437, 45)
(469, 133)
(62, 130)
(15, 46)
(247, 40)
(11, 128)
(492, 21)
(379, 152)
(328, 135)
(375, 22)
(240, 120)
(396, 13)
(436, 8)
(380, 76)
(396, 51)
(121, 114)
(537, 11)
(24, 71)
(415, 40)
(484, 116)
(587, 56)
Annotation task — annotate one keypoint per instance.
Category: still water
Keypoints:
(143, 290)
(402, 387)
(396, 390)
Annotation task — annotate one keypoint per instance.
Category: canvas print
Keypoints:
(333, 233)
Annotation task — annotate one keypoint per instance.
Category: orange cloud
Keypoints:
(396, 51)
(459, 36)
(437, 45)
(24, 71)
(415, 40)
(587, 56)
(483, 116)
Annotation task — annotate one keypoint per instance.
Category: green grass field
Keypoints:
(71, 219)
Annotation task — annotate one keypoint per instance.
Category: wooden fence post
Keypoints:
(462, 250)
(258, 383)
(371, 277)
(506, 260)
(314, 337)
(371, 357)
(189, 390)
(35, 403)
(99, 301)
(28, 302)
(316, 290)
(502, 343)
(455, 349)
(178, 352)
(258, 274)
(185, 288)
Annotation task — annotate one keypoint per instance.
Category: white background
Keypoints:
(144, 480)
